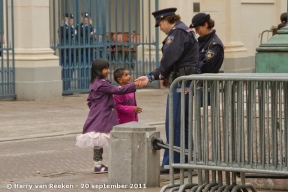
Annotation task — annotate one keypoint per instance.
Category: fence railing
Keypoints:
(83, 30)
(241, 128)
(7, 63)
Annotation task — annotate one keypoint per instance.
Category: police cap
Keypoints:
(160, 14)
(199, 19)
(70, 15)
(283, 17)
(85, 14)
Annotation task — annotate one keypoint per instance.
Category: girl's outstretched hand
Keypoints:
(141, 81)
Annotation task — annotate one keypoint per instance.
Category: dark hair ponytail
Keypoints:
(211, 23)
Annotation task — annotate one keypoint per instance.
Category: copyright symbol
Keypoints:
(9, 186)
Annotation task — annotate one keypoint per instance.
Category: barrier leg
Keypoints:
(220, 189)
(169, 186)
(244, 188)
(186, 186)
(193, 189)
(174, 189)
(209, 186)
(229, 188)
(213, 189)
(201, 187)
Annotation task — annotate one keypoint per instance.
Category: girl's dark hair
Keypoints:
(172, 18)
(210, 22)
(96, 70)
(118, 73)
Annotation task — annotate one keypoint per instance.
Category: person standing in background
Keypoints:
(211, 48)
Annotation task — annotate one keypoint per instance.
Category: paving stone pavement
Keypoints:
(47, 161)
(67, 114)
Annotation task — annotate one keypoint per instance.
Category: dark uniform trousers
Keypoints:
(85, 65)
(85, 39)
(67, 54)
(67, 64)
(176, 125)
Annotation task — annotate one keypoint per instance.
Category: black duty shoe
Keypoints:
(163, 170)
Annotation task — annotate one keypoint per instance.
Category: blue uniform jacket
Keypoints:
(180, 49)
(211, 53)
(66, 32)
(85, 32)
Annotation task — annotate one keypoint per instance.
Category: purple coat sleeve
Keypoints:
(117, 90)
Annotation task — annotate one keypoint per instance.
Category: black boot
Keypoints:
(98, 154)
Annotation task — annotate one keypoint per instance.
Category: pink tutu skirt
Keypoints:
(92, 139)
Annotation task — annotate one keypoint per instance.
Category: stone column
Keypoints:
(38, 74)
(132, 159)
(236, 59)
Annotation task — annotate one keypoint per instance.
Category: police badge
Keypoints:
(210, 54)
(169, 40)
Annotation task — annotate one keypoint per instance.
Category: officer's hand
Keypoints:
(142, 81)
(164, 83)
(137, 109)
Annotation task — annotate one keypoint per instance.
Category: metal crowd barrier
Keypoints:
(243, 131)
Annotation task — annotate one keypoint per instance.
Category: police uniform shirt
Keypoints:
(66, 31)
(180, 49)
(211, 53)
(86, 28)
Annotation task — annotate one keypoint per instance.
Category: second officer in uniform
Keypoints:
(211, 48)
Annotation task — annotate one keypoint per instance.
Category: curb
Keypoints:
(57, 134)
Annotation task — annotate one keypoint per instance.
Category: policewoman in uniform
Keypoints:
(179, 58)
(67, 34)
(85, 38)
(67, 30)
(211, 48)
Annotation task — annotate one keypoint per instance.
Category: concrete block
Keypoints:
(132, 159)
(38, 83)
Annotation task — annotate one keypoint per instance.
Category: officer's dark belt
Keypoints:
(187, 71)
(181, 72)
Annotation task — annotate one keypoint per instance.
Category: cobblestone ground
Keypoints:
(48, 156)
(66, 114)
(51, 160)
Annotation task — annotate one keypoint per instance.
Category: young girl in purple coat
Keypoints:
(102, 116)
